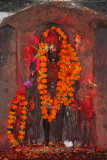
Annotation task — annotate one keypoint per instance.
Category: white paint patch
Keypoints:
(68, 143)
(3, 15)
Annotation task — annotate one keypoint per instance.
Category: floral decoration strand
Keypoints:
(19, 100)
(69, 69)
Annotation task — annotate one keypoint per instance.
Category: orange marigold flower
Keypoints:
(70, 94)
(53, 112)
(72, 99)
(15, 101)
(66, 103)
(24, 117)
(59, 83)
(13, 106)
(10, 136)
(48, 30)
(44, 80)
(18, 97)
(43, 107)
(76, 58)
(78, 77)
(50, 101)
(9, 126)
(24, 112)
(48, 98)
(53, 116)
(72, 82)
(42, 51)
(12, 112)
(66, 99)
(11, 116)
(45, 116)
(42, 45)
(24, 103)
(10, 121)
(67, 81)
(80, 68)
(58, 30)
(64, 88)
(23, 122)
(45, 91)
(20, 137)
(72, 89)
(58, 94)
(43, 58)
(50, 119)
(64, 36)
(69, 101)
(56, 107)
(25, 108)
(22, 126)
(21, 132)
(72, 49)
(42, 64)
(43, 102)
(8, 132)
(53, 28)
(41, 91)
(64, 94)
(23, 98)
(15, 142)
(44, 111)
(44, 75)
(42, 97)
(64, 41)
(78, 63)
(69, 46)
(59, 88)
(12, 140)
(42, 86)
(45, 34)
(42, 70)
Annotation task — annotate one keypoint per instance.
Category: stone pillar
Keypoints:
(8, 81)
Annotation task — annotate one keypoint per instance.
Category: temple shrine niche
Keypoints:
(51, 78)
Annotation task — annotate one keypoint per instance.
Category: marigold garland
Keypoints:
(69, 69)
(20, 99)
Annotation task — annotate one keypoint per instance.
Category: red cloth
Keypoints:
(52, 72)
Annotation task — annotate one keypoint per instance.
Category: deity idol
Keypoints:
(52, 67)
(53, 43)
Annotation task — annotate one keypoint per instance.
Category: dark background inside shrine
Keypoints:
(99, 6)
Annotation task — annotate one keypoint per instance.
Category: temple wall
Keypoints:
(8, 81)
(92, 49)
(100, 78)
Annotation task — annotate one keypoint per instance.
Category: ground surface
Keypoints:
(52, 153)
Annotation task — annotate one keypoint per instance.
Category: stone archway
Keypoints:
(34, 21)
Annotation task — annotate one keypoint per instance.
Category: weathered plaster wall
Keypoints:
(100, 77)
(7, 77)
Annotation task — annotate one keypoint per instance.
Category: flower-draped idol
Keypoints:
(69, 72)
(69, 69)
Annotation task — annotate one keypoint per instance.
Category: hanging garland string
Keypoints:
(19, 100)
(69, 72)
